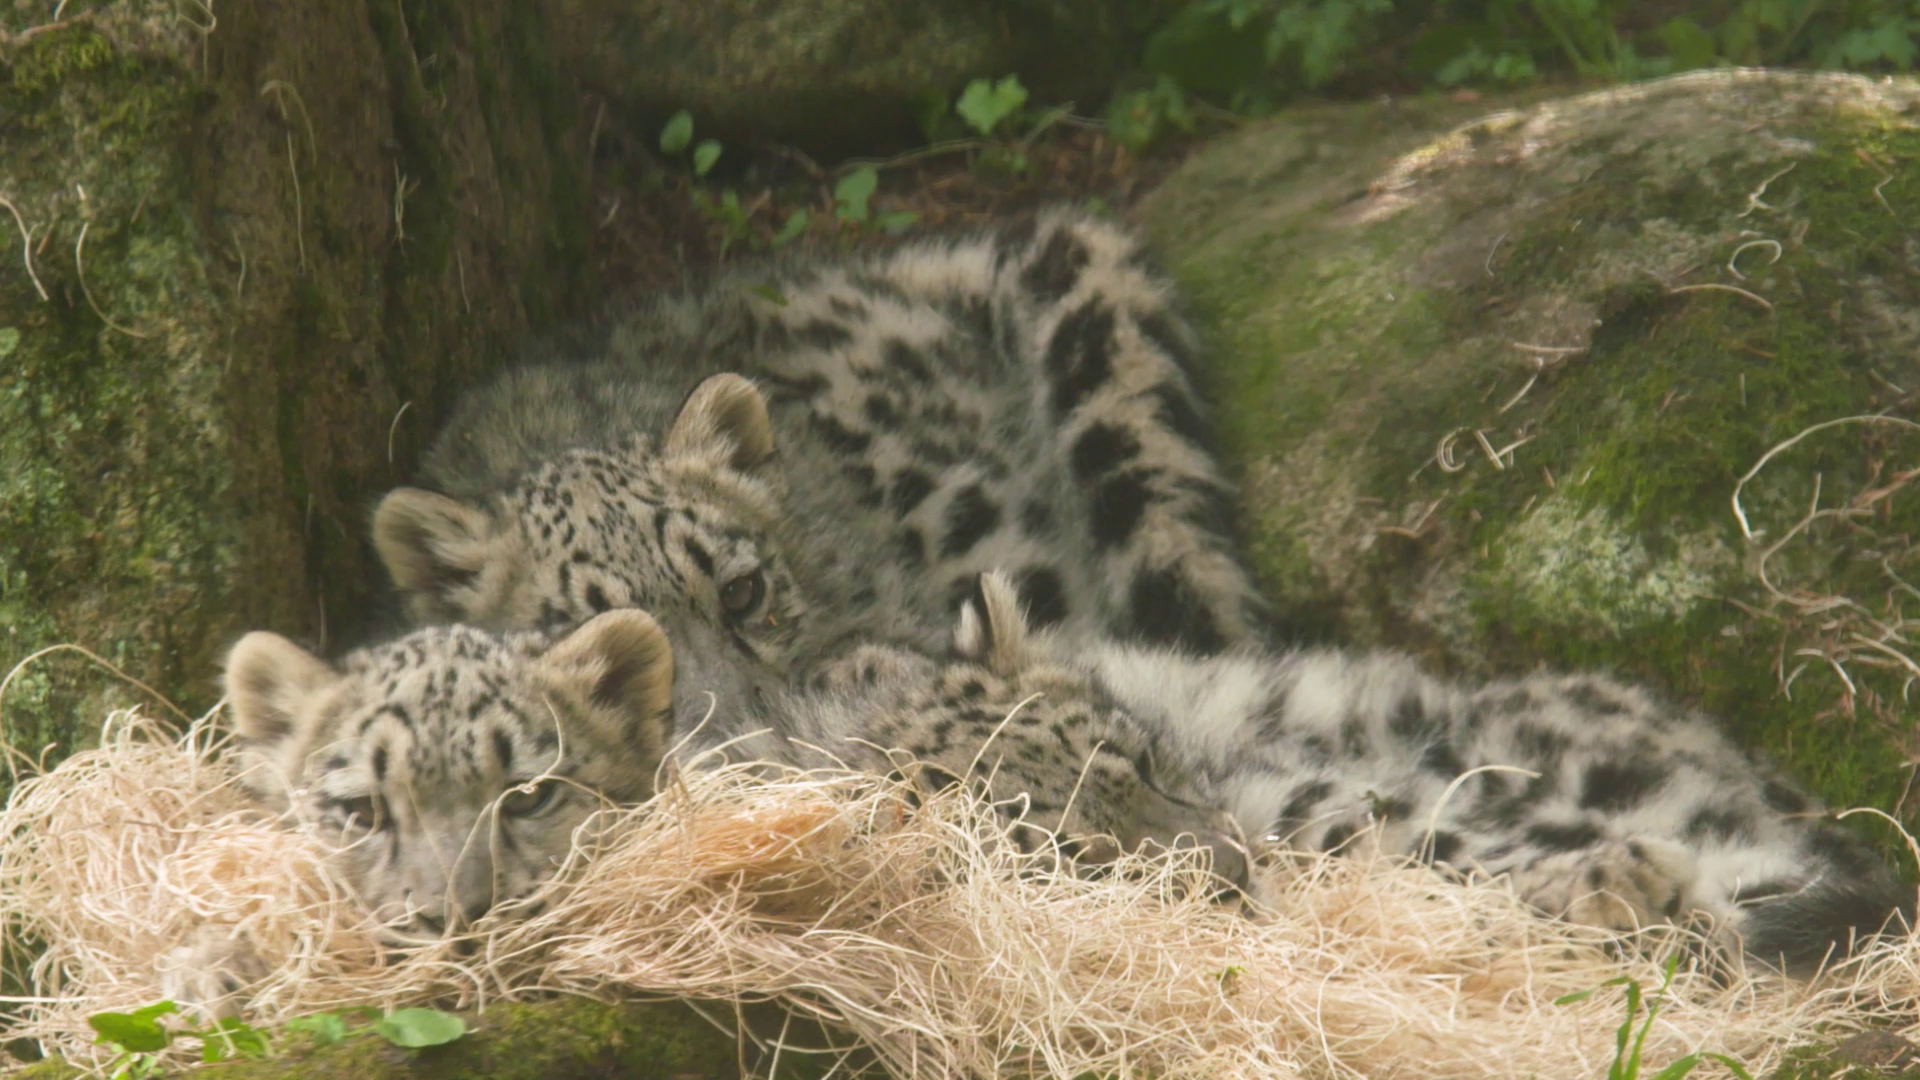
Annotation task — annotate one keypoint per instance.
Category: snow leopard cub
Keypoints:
(1021, 398)
(447, 771)
(455, 763)
(1601, 803)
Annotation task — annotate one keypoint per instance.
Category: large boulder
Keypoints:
(260, 257)
(1493, 388)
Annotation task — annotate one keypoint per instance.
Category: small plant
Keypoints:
(1138, 119)
(413, 1029)
(735, 221)
(1628, 1043)
(141, 1038)
(851, 198)
(678, 133)
(419, 1028)
(850, 195)
(1248, 54)
(795, 225)
(984, 104)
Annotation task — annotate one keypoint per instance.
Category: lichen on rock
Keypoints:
(1491, 386)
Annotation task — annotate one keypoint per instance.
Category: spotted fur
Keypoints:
(1055, 754)
(449, 769)
(1021, 398)
(1597, 801)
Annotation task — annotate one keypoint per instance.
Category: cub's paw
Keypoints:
(211, 973)
(864, 668)
(1618, 885)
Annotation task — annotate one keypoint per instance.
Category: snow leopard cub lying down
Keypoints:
(809, 454)
(436, 761)
(1602, 804)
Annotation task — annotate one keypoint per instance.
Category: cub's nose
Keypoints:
(1230, 864)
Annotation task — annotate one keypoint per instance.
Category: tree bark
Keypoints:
(246, 268)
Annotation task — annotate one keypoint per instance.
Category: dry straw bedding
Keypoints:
(913, 928)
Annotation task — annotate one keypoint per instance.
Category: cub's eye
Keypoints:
(741, 596)
(531, 802)
(367, 811)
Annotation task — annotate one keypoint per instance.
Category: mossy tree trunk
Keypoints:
(264, 253)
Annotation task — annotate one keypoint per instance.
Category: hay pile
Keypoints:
(913, 929)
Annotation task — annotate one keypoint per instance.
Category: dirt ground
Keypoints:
(657, 225)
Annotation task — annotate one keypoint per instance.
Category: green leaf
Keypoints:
(137, 1067)
(769, 292)
(704, 156)
(326, 1028)
(677, 134)
(154, 1011)
(895, 222)
(416, 1028)
(130, 1031)
(985, 103)
(9, 341)
(1688, 44)
(850, 195)
(1733, 1065)
(796, 224)
(1137, 119)
(231, 1038)
(1679, 1069)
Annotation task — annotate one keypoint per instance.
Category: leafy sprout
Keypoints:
(985, 103)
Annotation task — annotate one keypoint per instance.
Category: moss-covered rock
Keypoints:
(842, 75)
(555, 1040)
(248, 248)
(1493, 387)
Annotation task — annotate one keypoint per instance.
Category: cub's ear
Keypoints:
(724, 414)
(993, 628)
(434, 549)
(272, 687)
(620, 665)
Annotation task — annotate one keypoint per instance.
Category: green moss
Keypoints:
(564, 1039)
(1404, 285)
(110, 445)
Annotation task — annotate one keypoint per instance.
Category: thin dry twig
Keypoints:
(1838, 630)
(26, 245)
(280, 88)
(394, 428)
(1735, 257)
(1740, 513)
(1753, 197)
(80, 271)
(1713, 287)
(1549, 350)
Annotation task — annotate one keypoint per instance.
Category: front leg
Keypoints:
(211, 973)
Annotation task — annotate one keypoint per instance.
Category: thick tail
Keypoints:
(1799, 931)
